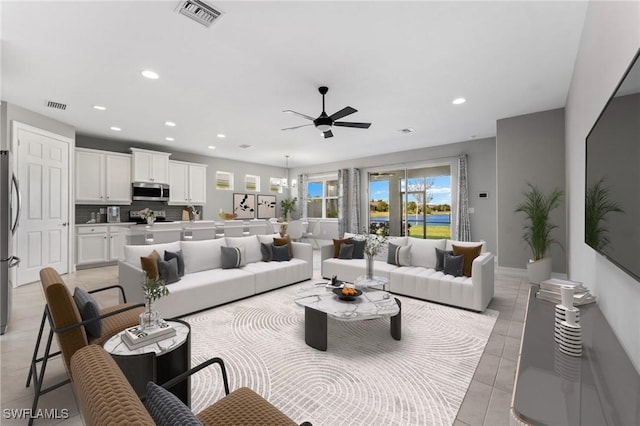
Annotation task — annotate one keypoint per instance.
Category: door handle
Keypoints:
(14, 227)
(64, 224)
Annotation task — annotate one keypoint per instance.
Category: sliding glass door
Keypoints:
(413, 201)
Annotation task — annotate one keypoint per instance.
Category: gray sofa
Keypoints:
(420, 279)
(205, 284)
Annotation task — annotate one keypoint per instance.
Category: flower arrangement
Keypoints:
(147, 213)
(288, 206)
(153, 289)
(374, 243)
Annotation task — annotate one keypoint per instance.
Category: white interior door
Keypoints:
(43, 172)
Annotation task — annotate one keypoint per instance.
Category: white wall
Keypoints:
(610, 39)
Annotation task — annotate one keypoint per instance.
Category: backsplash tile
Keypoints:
(83, 211)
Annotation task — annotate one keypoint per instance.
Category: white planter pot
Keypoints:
(539, 270)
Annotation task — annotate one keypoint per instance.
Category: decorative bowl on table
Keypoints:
(347, 293)
(227, 216)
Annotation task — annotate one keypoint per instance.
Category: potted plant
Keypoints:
(149, 215)
(288, 205)
(597, 206)
(153, 289)
(537, 231)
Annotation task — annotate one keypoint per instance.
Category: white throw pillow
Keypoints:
(384, 253)
(267, 239)
(423, 252)
(202, 255)
(251, 246)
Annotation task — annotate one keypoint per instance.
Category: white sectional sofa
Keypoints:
(205, 284)
(421, 280)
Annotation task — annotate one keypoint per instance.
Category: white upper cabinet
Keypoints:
(102, 177)
(187, 183)
(150, 166)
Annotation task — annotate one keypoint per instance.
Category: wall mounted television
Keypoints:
(612, 190)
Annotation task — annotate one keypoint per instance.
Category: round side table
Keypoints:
(157, 362)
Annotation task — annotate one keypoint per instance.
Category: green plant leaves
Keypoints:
(597, 206)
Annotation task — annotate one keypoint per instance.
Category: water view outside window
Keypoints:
(323, 198)
(414, 202)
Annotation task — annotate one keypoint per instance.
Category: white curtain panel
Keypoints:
(343, 201)
(355, 197)
(302, 195)
(463, 224)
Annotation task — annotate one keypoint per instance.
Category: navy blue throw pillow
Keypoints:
(89, 309)
(453, 265)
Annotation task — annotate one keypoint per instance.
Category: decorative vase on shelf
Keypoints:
(150, 220)
(149, 318)
(369, 273)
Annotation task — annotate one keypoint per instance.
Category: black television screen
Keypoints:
(612, 193)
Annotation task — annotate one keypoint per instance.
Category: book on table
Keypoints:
(137, 337)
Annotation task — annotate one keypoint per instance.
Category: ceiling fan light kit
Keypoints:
(325, 122)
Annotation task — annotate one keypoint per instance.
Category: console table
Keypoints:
(600, 388)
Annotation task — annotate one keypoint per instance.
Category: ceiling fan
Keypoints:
(324, 121)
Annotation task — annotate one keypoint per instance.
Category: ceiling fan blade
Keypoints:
(328, 134)
(342, 113)
(298, 113)
(349, 124)
(297, 127)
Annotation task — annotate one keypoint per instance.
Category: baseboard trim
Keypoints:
(522, 273)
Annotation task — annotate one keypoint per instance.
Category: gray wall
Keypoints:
(530, 148)
(10, 112)
(610, 39)
(482, 177)
(216, 199)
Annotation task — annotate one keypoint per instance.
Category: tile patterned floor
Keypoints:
(486, 403)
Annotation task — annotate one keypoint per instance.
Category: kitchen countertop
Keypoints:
(106, 224)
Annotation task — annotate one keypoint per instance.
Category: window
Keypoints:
(224, 181)
(322, 197)
(275, 185)
(252, 183)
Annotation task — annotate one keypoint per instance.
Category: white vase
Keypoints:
(150, 220)
(539, 270)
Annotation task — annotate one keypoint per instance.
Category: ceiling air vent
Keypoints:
(199, 11)
(244, 146)
(56, 105)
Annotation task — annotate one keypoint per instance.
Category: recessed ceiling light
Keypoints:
(99, 107)
(150, 74)
(170, 123)
(211, 147)
(459, 101)
(170, 139)
(221, 136)
(115, 129)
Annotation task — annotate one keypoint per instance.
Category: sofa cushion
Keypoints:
(346, 251)
(251, 246)
(399, 255)
(282, 242)
(423, 251)
(168, 270)
(168, 255)
(384, 253)
(280, 253)
(440, 258)
(132, 254)
(453, 265)
(358, 248)
(450, 244)
(268, 239)
(337, 244)
(166, 409)
(469, 254)
(149, 264)
(267, 251)
(232, 257)
(89, 309)
(202, 255)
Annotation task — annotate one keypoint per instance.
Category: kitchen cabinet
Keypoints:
(187, 183)
(102, 177)
(150, 166)
(99, 244)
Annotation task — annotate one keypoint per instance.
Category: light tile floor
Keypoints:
(486, 403)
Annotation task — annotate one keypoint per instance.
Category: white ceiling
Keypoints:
(399, 63)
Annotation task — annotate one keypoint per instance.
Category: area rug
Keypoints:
(364, 378)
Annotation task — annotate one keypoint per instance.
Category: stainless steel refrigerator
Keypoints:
(9, 217)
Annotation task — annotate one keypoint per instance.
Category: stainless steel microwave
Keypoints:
(148, 191)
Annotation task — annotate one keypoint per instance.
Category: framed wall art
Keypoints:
(244, 205)
(266, 206)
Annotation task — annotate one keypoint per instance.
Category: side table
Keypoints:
(157, 362)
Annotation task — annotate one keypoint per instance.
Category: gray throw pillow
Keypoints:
(232, 257)
(166, 409)
(280, 253)
(346, 251)
(453, 265)
(440, 258)
(168, 255)
(168, 270)
(399, 255)
(358, 248)
(89, 309)
(267, 252)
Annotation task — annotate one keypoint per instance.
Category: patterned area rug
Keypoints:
(364, 378)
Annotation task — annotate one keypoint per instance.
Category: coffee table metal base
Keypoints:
(315, 327)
